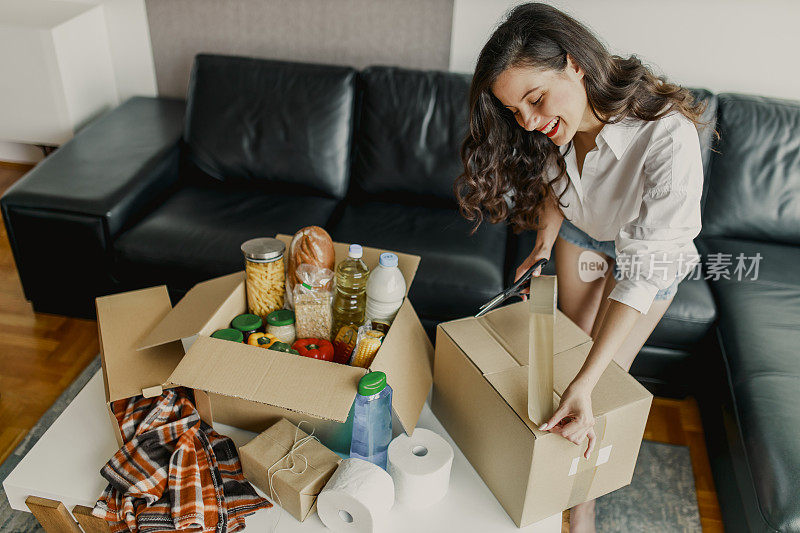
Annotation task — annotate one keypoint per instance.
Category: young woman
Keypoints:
(596, 153)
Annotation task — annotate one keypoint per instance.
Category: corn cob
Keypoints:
(365, 352)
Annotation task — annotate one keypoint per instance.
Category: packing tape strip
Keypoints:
(541, 331)
(586, 469)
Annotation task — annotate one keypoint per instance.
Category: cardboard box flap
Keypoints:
(483, 348)
(615, 388)
(122, 321)
(407, 263)
(406, 356)
(317, 388)
(509, 326)
(195, 310)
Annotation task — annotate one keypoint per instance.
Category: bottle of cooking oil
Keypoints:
(350, 300)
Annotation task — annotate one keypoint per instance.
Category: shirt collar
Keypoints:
(618, 136)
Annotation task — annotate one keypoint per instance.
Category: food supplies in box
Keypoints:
(264, 266)
(312, 302)
(297, 477)
(250, 387)
(481, 397)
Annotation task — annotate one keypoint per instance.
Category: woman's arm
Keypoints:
(549, 223)
(576, 402)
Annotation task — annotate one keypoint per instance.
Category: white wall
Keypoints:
(723, 45)
(131, 55)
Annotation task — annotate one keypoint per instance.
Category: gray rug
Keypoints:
(661, 498)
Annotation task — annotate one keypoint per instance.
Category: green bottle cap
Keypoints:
(372, 383)
(281, 317)
(228, 334)
(246, 322)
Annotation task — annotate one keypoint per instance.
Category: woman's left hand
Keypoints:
(574, 419)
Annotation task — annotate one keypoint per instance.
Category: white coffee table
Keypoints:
(64, 467)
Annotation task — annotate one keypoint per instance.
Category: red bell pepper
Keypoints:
(314, 348)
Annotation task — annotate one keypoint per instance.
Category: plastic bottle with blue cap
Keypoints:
(386, 289)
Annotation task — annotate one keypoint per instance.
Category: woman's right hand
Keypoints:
(535, 255)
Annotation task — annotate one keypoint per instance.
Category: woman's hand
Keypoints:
(574, 419)
(536, 254)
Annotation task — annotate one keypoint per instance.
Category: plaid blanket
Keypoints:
(174, 472)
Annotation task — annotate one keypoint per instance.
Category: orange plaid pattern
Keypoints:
(174, 472)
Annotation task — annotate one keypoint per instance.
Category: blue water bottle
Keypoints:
(372, 419)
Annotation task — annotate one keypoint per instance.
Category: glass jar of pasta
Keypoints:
(265, 275)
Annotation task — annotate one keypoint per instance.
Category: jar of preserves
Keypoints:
(247, 323)
(281, 324)
(265, 275)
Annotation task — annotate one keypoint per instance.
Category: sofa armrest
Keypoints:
(62, 217)
(111, 168)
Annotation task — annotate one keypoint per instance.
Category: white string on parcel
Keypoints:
(290, 455)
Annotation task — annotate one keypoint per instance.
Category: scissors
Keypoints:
(512, 291)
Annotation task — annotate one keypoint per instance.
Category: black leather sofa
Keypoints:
(164, 191)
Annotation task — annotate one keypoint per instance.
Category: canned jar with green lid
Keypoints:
(247, 324)
(228, 334)
(266, 284)
(281, 324)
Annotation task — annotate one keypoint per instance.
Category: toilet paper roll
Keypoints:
(420, 467)
(357, 498)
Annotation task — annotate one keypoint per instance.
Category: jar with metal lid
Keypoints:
(281, 324)
(264, 266)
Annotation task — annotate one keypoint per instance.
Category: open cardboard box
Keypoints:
(250, 387)
(122, 321)
(481, 397)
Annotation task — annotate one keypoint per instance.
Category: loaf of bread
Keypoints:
(311, 245)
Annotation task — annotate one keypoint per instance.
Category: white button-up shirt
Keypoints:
(640, 187)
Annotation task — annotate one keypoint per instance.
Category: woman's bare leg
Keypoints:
(580, 301)
(577, 299)
(582, 517)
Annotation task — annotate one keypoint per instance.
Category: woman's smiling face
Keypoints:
(548, 101)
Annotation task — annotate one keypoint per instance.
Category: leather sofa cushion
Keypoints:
(457, 273)
(758, 334)
(274, 124)
(409, 135)
(755, 178)
(196, 234)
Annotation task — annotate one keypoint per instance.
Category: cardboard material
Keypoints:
(481, 397)
(122, 322)
(248, 386)
(296, 492)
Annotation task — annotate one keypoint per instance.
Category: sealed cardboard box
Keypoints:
(122, 321)
(296, 489)
(481, 397)
(250, 387)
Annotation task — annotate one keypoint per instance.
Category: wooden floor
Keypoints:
(42, 354)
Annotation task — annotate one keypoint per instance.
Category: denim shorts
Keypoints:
(573, 235)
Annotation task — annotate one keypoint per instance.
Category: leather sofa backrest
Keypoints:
(706, 133)
(408, 135)
(272, 124)
(754, 191)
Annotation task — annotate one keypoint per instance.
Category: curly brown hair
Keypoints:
(502, 161)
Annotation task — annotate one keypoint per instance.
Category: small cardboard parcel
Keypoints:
(481, 396)
(147, 345)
